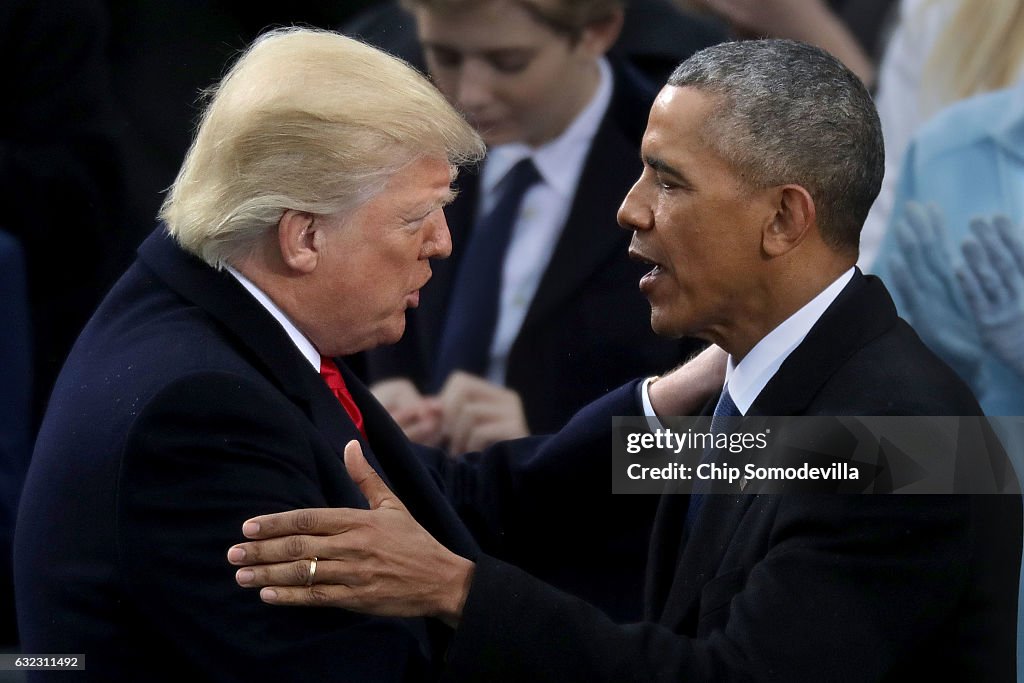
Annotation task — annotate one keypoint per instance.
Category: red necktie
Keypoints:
(336, 383)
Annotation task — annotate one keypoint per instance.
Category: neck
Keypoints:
(779, 299)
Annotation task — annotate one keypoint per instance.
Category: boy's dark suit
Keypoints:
(791, 587)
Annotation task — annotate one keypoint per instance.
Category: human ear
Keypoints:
(793, 218)
(299, 240)
(598, 37)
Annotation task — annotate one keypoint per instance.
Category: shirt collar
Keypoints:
(555, 159)
(746, 379)
(303, 344)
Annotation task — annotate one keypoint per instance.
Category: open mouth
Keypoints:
(648, 280)
(656, 267)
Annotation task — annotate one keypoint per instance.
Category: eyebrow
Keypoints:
(662, 166)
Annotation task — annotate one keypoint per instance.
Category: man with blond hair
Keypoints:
(298, 230)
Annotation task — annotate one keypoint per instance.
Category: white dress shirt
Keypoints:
(542, 214)
(746, 379)
(303, 344)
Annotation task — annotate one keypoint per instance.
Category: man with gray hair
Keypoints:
(761, 160)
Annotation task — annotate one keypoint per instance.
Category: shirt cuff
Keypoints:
(653, 423)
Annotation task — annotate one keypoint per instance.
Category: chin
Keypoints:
(664, 326)
(392, 333)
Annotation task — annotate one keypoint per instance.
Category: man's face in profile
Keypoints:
(516, 79)
(375, 260)
(695, 220)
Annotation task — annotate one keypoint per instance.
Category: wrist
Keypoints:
(455, 591)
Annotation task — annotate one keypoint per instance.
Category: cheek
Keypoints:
(528, 93)
(445, 80)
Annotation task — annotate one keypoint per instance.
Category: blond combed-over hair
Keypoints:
(307, 120)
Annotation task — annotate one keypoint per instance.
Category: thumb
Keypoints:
(366, 478)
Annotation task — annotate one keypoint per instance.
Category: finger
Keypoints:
(312, 521)
(903, 285)
(977, 258)
(406, 417)
(972, 292)
(937, 223)
(452, 396)
(1012, 242)
(377, 493)
(918, 221)
(934, 244)
(317, 595)
(914, 270)
(297, 574)
(462, 387)
(460, 430)
(273, 550)
(457, 439)
(280, 574)
(995, 251)
(425, 431)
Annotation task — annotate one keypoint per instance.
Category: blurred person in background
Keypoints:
(941, 51)
(656, 34)
(851, 30)
(965, 164)
(524, 332)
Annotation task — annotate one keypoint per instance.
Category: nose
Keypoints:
(438, 243)
(635, 212)
(473, 87)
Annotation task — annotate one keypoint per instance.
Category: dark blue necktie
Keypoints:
(473, 307)
(720, 424)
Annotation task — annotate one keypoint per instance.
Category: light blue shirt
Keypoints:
(969, 161)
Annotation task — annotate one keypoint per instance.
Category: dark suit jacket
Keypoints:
(183, 410)
(588, 327)
(791, 587)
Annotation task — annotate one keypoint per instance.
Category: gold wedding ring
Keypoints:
(312, 572)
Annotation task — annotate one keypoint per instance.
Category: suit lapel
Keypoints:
(259, 337)
(861, 312)
(702, 553)
(256, 334)
(409, 478)
(590, 237)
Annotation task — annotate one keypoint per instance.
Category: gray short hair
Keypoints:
(794, 114)
(306, 120)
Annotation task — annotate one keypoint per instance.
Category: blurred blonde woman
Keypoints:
(941, 51)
